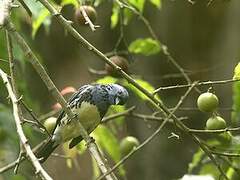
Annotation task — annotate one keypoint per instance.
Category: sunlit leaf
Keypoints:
(236, 104)
(67, 2)
(146, 85)
(146, 46)
(210, 169)
(117, 109)
(18, 177)
(196, 160)
(115, 15)
(108, 142)
(42, 18)
(127, 16)
(237, 72)
(139, 4)
(107, 80)
(157, 3)
(81, 147)
(232, 174)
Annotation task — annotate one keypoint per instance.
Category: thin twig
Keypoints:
(218, 131)
(48, 115)
(225, 154)
(39, 170)
(124, 113)
(30, 111)
(204, 83)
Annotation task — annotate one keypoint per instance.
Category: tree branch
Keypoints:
(39, 170)
(5, 7)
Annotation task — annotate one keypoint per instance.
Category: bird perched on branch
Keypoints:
(90, 103)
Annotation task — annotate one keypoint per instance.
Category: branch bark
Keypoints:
(39, 170)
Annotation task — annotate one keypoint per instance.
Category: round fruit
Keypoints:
(50, 123)
(119, 61)
(215, 122)
(225, 138)
(207, 102)
(127, 144)
(90, 11)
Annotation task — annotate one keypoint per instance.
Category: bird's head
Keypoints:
(118, 95)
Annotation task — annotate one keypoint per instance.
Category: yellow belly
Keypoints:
(89, 117)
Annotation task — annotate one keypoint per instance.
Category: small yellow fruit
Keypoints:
(207, 102)
(127, 144)
(50, 123)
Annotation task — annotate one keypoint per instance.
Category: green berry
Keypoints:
(207, 102)
(216, 122)
(127, 144)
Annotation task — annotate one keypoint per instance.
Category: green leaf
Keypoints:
(157, 3)
(107, 141)
(237, 72)
(210, 169)
(81, 147)
(117, 109)
(115, 15)
(107, 80)
(67, 2)
(18, 177)
(196, 160)
(139, 4)
(146, 85)
(146, 46)
(236, 104)
(42, 18)
(127, 16)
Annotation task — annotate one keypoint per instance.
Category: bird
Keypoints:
(90, 103)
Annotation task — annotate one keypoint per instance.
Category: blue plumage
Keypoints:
(90, 103)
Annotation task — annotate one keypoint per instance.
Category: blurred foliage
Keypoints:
(146, 47)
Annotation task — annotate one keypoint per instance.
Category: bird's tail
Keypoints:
(45, 151)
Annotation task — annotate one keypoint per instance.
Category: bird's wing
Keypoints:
(76, 99)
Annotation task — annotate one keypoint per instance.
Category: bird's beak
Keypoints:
(117, 100)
